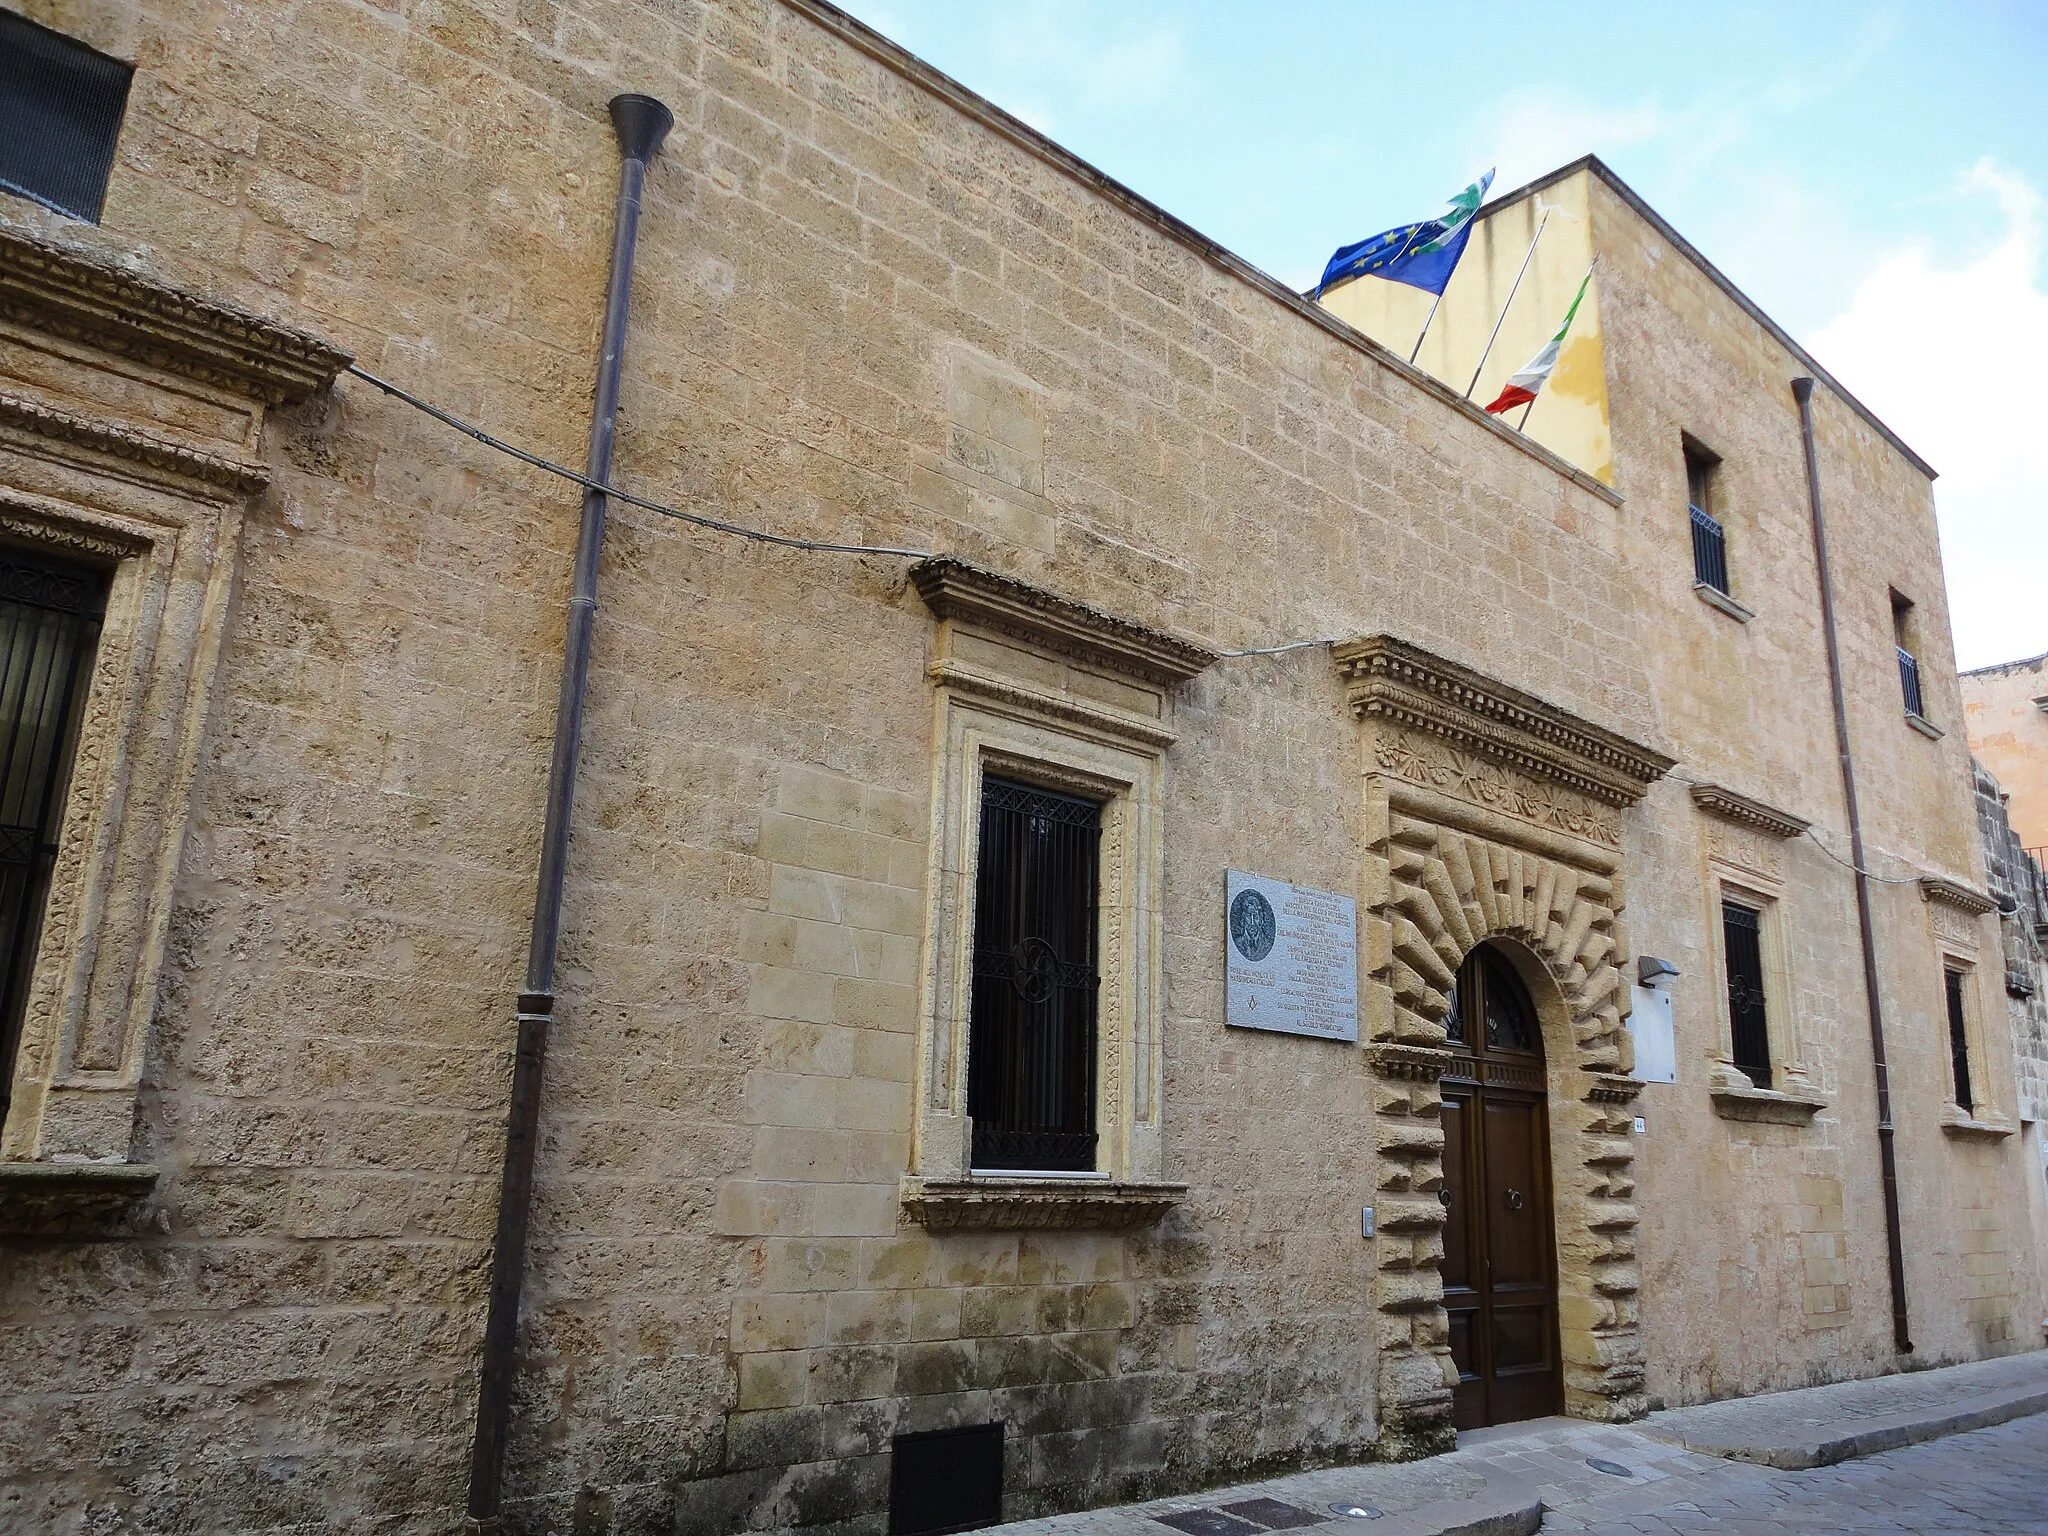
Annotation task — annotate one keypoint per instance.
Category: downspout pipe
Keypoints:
(1888, 1167)
(640, 123)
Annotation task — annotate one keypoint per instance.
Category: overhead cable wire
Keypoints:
(1278, 650)
(1823, 847)
(717, 525)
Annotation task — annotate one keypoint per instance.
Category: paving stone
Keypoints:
(1986, 1482)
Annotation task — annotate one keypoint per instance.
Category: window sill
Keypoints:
(1925, 727)
(1714, 597)
(1769, 1106)
(1021, 1204)
(1959, 1123)
(52, 1199)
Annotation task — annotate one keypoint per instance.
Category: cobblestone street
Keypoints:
(1994, 1480)
(1789, 1464)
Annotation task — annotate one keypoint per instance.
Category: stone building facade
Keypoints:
(2018, 883)
(2006, 710)
(250, 1163)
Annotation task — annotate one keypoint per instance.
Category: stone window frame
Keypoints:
(1743, 863)
(1036, 687)
(144, 491)
(1955, 916)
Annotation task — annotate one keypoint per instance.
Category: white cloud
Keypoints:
(1950, 357)
(1536, 131)
(1074, 51)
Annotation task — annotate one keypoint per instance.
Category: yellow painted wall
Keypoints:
(1570, 416)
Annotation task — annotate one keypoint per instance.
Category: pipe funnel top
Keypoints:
(641, 123)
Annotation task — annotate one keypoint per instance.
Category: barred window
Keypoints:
(1958, 1041)
(1742, 943)
(1709, 539)
(1032, 1030)
(61, 105)
(49, 626)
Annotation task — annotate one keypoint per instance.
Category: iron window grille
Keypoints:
(1032, 1028)
(49, 627)
(1742, 939)
(1958, 1042)
(61, 105)
(1709, 552)
(1909, 682)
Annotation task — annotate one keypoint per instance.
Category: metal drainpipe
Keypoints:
(1902, 1338)
(641, 123)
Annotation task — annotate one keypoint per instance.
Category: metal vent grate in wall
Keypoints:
(946, 1480)
(60, 115)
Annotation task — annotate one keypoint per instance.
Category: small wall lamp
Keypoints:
(1650, 971)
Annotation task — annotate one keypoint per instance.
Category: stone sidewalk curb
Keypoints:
(1887, 1433)
(1522, 1516)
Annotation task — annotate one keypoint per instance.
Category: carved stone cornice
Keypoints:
(95, 444)
(1408, 1063)
(87, 299)
(1955, 894)
(958, 591)
(1392, 680)
(1725, 803)
(1612, 1088)
(1027, 1204)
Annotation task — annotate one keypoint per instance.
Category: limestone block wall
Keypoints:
(727, 1315)
(2008, 731)
(1745, 706)
(2016, 875)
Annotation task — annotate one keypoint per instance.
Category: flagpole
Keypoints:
(1524, 422)
(1504, 308)
(1426, 322)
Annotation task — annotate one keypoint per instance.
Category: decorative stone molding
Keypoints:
(1612, 1088)
(1794, 1104)
(1493, 815)
(1745, 812)
(1965, 1126)
(956, 591)
(1008, 691)
(1714, 597)
(1037, 687)
(1407, 1063)
(62, 1199)
(1027, 1204)
(1433, 765)
(88, 300)
(126, 451)
(1425, 693)
(99, 476)
(1965, 899)
(1746, 854)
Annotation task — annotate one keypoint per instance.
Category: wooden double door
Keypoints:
(1500, 1251)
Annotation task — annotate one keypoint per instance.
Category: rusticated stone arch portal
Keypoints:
(1493, 815)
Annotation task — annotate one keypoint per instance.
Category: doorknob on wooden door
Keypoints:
(1514, 1199)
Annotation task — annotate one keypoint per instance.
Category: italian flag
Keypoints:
(1535, 373)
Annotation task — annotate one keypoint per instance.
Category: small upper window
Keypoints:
(1709, 540)
(1906, 642)
(60, 114)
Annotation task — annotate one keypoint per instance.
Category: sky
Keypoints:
(1874, 175)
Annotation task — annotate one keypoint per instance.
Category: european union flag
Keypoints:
(1421, 255)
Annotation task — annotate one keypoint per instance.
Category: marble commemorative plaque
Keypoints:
(1292, 958)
